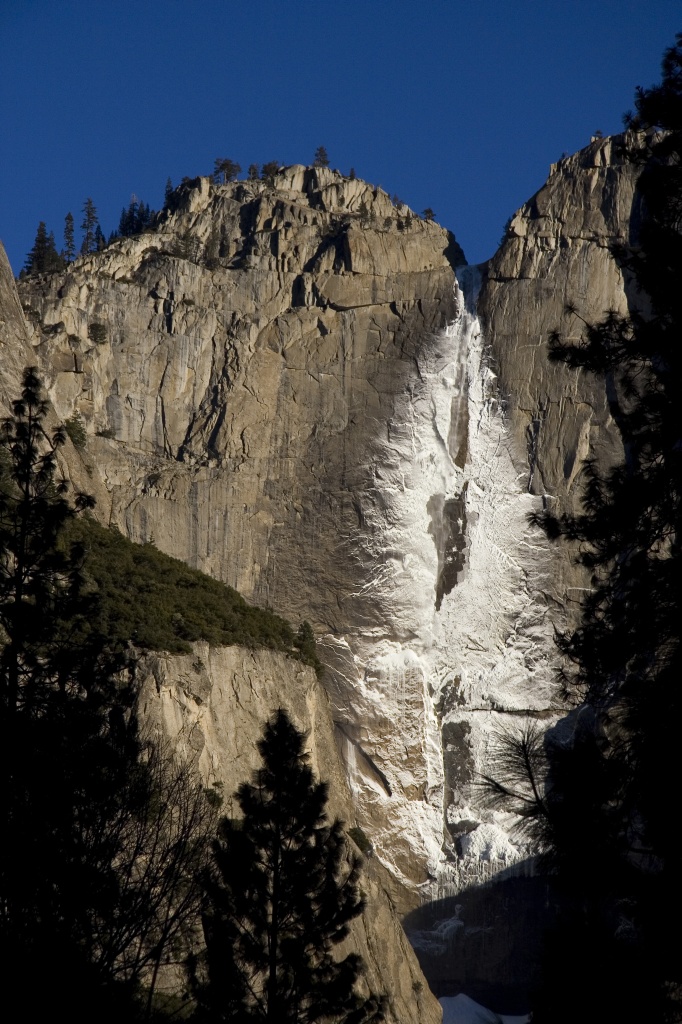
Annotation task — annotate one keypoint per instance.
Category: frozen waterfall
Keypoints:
(461, 640)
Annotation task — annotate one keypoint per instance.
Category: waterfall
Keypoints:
(459, 640)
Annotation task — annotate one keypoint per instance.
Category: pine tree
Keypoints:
(225, 170)
(321, 158)
(269, 170)
(69, 242)
(253, 172)
(43, 257)
(89, 227)
(280, 897)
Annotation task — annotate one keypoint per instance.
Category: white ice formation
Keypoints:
(460, 580)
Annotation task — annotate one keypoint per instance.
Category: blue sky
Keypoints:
(460, 106)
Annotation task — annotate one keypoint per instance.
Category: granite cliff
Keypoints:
(286, 385)
(247, 375)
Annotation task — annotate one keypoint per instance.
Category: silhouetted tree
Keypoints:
(43, 257)
(102, 836)
(89, 227)
(428, 214)
(167, 192)
(69, 240)
(225, 170)
(321, 158)
(280, 897)
(269, 170)
(135, 218)
(253, 172)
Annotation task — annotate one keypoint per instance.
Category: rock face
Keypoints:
(15, 347)
(285, 386)
(211, 707)
(557, 252)
(249, 375)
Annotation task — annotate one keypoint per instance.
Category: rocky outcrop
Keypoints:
(211, 706)
(557, 253)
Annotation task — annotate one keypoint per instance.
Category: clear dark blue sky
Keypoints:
(460, 105)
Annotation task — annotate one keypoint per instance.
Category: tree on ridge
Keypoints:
(43, 257)
(226, 170)
(69, 242)
(321, 158)
(89, 227)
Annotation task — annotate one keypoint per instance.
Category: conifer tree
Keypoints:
(89, 227)
(321, 157)
(280, 897)
(225, 170)
(69, 241)
(269, 170)
(43, 257)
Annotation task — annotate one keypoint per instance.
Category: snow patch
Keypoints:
(463, 1010)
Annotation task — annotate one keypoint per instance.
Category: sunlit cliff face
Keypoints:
(308, 409)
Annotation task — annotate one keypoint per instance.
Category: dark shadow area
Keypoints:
(487, 940)
(453, 253)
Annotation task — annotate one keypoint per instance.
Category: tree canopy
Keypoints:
(89, 227)
(321, 157)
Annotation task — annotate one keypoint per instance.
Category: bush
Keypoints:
(75, 428)
(305, 645)
(97, 333)
(361, 840)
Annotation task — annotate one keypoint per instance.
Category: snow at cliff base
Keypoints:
(463, 1010)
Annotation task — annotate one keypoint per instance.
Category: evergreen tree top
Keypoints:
(281, 895)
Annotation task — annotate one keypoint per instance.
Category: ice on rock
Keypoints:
(460, 633)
